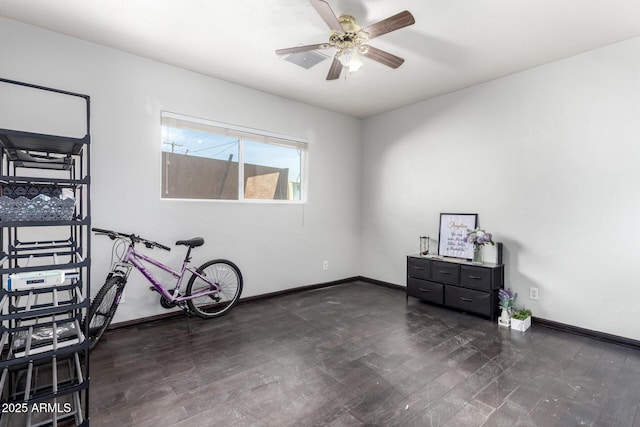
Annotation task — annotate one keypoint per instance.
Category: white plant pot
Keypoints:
(521, 325)
(504, 319)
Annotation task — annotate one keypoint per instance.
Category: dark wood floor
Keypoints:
(357, 354)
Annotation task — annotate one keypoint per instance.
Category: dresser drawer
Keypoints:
(419, 268)
(475, 277)
(468, 300)
(425, 290)
(445, 272)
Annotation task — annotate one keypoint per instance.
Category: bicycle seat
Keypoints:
(192, 243)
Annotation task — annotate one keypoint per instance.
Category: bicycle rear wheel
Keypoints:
(103, 308)
(227, 276)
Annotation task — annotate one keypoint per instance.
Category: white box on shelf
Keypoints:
(521, 325)
(35, 279)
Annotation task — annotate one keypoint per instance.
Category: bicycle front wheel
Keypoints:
(103, 308)
(227, 277)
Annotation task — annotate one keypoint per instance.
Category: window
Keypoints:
(202, 159)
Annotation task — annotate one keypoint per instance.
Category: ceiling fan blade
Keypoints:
(301, 48)
(325, 12)
(395, 22)
(383, 57)
(335, 70)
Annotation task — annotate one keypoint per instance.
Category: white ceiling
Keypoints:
(454, 43)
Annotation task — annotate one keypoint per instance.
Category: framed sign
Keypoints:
(453, 234)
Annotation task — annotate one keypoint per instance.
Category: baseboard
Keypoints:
(298, 289)
(148, 319)
(179, 313)
(381, 283)
(600, 336)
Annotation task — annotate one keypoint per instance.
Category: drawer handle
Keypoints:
(418, 268)
(445, 272)
(424, 290)
(475, 277)
(466, 299)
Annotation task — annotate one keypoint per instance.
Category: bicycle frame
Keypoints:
(133, 258)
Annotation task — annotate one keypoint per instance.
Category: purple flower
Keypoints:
(507, 298)
(479, 237)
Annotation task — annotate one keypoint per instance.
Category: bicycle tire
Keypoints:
(103, 308)
(225, 274)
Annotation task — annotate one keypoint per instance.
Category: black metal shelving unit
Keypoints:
(44, 362)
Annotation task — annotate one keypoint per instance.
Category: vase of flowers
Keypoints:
(507, 301)
(479, 238)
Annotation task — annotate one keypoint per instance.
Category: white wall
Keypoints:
(276, 246)
(548, 158)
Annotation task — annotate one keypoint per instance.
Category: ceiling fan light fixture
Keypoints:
(356, 64)
(350, 58)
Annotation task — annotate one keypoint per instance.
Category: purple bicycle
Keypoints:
(213, 288)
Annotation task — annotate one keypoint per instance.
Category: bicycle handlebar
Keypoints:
(135, 239)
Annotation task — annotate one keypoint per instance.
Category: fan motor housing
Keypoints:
(351, 36)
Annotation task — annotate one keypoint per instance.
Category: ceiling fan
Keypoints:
(349, 39)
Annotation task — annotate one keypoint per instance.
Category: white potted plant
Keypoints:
(521, 319)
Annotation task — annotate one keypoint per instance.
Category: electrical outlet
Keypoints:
(325, 265)
(533, 293)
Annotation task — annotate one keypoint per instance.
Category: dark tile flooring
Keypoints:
(358, 354)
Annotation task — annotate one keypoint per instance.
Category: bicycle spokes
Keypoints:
(216, 289)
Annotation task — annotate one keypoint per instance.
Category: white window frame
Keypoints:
(253, 135)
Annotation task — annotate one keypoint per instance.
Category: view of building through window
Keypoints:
(208, 160)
